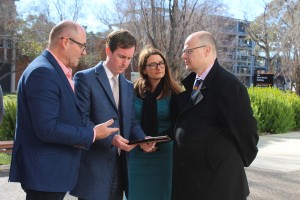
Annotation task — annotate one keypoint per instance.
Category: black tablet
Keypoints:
(151, 139)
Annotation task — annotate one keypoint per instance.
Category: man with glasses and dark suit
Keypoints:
(215, 132)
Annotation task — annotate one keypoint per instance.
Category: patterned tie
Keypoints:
(196, 85)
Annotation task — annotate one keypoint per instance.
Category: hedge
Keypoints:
(7, 128)
(276, 111)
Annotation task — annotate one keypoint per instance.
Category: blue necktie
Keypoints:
(196, 85)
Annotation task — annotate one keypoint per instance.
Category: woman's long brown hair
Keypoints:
(142, 84)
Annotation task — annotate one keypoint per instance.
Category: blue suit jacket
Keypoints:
(97, 102)
(49, 129)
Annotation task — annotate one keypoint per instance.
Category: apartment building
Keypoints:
(236, 50)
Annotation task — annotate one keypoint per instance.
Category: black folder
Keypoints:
(151, 139)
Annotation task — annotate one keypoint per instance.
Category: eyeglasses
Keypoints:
(82, 46)
(155, 65)
(191, 50)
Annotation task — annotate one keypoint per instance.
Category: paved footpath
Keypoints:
(274, 174)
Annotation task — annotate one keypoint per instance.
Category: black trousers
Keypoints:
(117, 185)
(38, 195)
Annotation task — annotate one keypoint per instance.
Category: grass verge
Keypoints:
(5, 158)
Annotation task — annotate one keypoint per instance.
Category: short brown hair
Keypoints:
(120, 38)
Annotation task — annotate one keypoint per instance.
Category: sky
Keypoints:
(27, 6)
(237, 8)
(253, 8)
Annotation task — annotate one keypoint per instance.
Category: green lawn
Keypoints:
(5, 159)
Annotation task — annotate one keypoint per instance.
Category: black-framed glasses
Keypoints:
(82, 46)
(155, 65)
(191, 50)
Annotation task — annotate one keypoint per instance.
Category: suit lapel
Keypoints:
(61, 73)
(193, 101)
(201, 93)
(104, 82)
(186, 96)
(124, 98)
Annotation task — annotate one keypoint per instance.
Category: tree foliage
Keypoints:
(33, 35)
(264, 32)
(163, 24)
(7, 31)
(290, 43)
(7, 17)
(277, 35)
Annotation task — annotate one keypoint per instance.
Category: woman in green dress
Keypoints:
(150, 174)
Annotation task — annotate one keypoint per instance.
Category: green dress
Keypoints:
(150, 174)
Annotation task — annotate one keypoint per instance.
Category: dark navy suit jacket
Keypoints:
(50, 132)
(97, 102)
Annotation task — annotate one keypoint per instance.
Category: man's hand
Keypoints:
(120, 142)
(103, 130)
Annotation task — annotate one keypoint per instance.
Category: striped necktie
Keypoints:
(196, 85)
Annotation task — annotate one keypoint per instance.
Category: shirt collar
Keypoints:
(67, 71)
(204, 74)
(108, 72)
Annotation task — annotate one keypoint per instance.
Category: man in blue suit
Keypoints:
(50, 131)
(103, 169)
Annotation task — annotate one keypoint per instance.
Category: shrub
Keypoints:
(295, 101)
(7, 128)
(273, 109)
